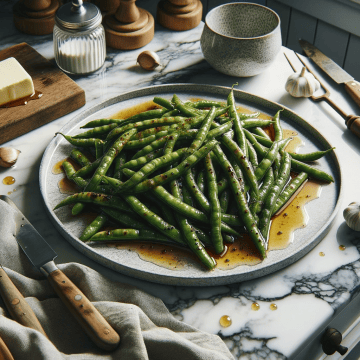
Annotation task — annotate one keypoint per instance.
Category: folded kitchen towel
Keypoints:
(146, 327)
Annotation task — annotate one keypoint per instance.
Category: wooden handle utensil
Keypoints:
(351, 121)
(5, 353)
(16, 304)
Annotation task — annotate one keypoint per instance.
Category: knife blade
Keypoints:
(332, 69)
(41, 256)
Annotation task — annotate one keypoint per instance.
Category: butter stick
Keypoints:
(15, 82)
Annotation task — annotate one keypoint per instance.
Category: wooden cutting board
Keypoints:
(61, 95)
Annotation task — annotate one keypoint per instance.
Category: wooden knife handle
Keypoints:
(353, 89)
(5, 353)
(353, 124)
(94, 324)
(16, 304)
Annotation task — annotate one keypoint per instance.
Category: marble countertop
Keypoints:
(308, 294)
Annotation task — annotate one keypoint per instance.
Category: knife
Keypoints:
(42, 256)
(16, 304)
(338, 74)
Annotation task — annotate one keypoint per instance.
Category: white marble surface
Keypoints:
(308, 294)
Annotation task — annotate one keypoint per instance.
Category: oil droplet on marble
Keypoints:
(225, 321)
(255, 306)
(273, 307)
(9, 180)
(321, 253)
(342, 247)
(9, 193)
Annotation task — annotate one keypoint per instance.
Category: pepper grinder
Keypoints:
(179, 15)
(35, 17)
(129, 27)
(79, 38)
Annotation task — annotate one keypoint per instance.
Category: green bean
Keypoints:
(78, 142)
(149, 168)
(186, 110)
(244, 116)
(119, 162)
(97, 199)
(79, 157)
(129, 234)
(142, 160)
(99, 148)
(313, 156)
(151, 131)
(256, 204)
(194, 189)
(202, 133)
(207, 103)
(241, 203)
(102, 122)
(215, 212)
(94, 227)
(224, 200)
(189, 211)
(177, 171)
(291, 188)
(277, 127)
(267, 161)
(136, 144)
(260, 131)
(190, 235)
(200, 180)
(124, 218)
(260, 150)
(239, 133)
(145, 124)
(243, 162)
(318, 174)
(270, 200)
(187, 198)
(170, 143)
(146, 115)
(96, 131)
(88, 169)
(104, 165)
(252, 155)
(222, 185)
(153, 219)
(163, 102)
(174, 112)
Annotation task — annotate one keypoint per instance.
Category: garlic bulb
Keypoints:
(8, 156)
(148, 60)
(352, 216)
(302, 84)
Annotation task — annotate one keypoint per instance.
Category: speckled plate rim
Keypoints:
(195, 277)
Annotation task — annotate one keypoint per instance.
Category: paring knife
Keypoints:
(16, 304)
(41, 256)
(338, 74)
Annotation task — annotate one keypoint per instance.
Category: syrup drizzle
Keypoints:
(23, 101)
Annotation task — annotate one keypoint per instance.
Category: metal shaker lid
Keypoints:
(77, 15)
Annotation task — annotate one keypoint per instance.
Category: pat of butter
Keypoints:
(15, 82)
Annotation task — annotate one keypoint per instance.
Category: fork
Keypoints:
(351, 121)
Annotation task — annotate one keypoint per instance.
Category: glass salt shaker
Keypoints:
(79, 38)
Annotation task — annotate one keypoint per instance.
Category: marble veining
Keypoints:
(308, 294)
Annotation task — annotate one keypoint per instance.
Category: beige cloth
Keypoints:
(146, 328)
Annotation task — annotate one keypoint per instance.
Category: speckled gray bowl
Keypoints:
(241, 39)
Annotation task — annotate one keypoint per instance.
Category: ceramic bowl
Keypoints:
(241, 39)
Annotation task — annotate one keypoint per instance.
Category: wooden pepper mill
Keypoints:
(35, 17)
(179, 15)
(129, 27)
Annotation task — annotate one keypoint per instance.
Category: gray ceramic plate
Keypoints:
(130, 263)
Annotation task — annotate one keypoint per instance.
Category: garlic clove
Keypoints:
(148, 60)
(302, 84)
(8, 156)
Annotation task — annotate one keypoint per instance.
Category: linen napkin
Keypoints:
(146, 328)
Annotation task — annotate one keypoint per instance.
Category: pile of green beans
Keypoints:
(170, 174)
